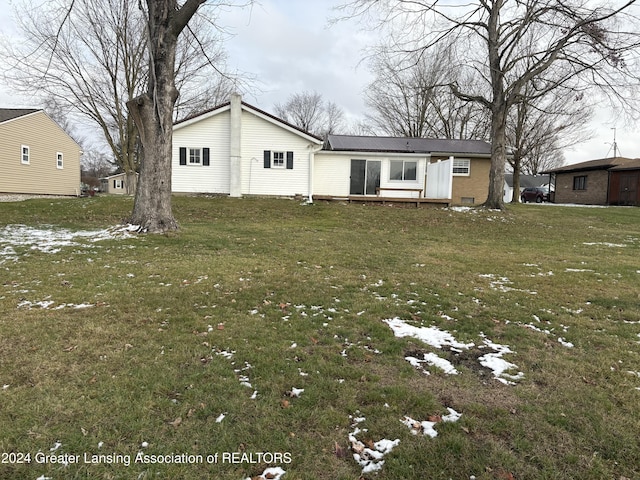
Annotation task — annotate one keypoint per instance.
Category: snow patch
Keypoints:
(438, 338)
(370, 459)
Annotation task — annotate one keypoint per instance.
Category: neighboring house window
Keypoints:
(461, 166)
(194, 156)
(118, 184)
(25, 155)
(278, 159)
(580, 182)
(59, 160)
(402, 170)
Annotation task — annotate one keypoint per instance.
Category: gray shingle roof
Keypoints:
(527, 181)
(11, 113)
(354, 143)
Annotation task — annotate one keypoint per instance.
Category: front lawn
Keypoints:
(270, 339)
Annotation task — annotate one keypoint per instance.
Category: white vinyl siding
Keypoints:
(286, 149)
(195, 156)
(402, 170)
(213, 133)
(260, 135)
(333, 170)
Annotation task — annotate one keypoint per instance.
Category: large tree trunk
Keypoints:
(495, 197)
(499, 110)
(515, 197)
(153, 114)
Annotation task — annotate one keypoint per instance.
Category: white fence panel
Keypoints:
(440, 179)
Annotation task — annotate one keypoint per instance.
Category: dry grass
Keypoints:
(296, 290)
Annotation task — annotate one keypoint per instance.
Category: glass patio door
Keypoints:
(365, 177)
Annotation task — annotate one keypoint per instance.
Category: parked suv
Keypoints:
(534, 194)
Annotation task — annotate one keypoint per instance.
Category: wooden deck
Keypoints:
(418, 202)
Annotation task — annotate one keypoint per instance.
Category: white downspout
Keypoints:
(235, 165)
(312, 161)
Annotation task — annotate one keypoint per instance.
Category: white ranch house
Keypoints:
(237, 149)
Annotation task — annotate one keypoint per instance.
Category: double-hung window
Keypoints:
(59, 160)
(273, 159)
(403, 170)
(195, 156)
(24, 155)
(278, 159)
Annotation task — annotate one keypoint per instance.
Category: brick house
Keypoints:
(607, 181)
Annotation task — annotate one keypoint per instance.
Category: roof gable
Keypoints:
(7, 114)
(356, 143)
(249, 108)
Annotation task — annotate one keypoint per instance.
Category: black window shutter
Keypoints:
(205, 157)
(289, 160)
(183, 155)
(267, 159)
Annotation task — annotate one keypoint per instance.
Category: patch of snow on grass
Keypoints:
(427, 427)
(296, 392)
(438, 338)
(434, 360)
(49, 239)
(564, 343)
(500, 284)
(430, 335)
(370, 459)
(498, 365)
(605, 244)
(272, 473)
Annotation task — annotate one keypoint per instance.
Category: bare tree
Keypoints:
(310, 112)
(409, 98)
(91, 57)
(539, 128)
(510, 45)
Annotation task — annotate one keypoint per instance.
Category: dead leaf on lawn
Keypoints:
(92, 380)
(70, 349)
(176, 423)
(339, 451)
(357, 447)
(284, 403)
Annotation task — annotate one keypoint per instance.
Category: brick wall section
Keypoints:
(475, 185)
(594, 194)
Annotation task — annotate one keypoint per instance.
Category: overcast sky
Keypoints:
(289, 47)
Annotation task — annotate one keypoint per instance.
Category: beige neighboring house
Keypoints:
(36, 155)
(115, 184)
